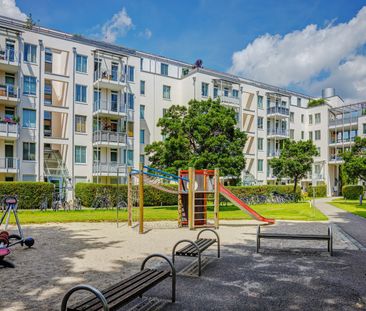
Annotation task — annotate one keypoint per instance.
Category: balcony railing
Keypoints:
(230, 99)
(335, 158)
(347, 120)
(109, 168)
(8, 55)
(277, 132)
(9, 128)
(109, 75)
(278, 110)
(8, 90)
(109, 137)
(109, 106)
(273, 153)
(342, 140)
(9, 163)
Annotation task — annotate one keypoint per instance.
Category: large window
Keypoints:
(260, 165)
(298, 102)
(81, 63)
(317, 118)
(29, 118)
(130, 100)
(235, 93)
(114, 155)
(317, 135)
(142, 87)
(80, 124)
(30, 53)
(164, 69)
(29, 85)
(302, 135)
(29, 151)
(131, 73)
(292, 117)
(310, 135)
(80, 93)
(80, 154)
(260, 102)
(142, 112)
(292, 134)
(302, 118)
(260, 123)
(310, 119)
(260, 144)
(166, 91)
(204, 89)
(364, 128)
(142, 136)
(215, 92)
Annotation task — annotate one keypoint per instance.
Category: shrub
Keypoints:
(30, 194)
(352, 192)
(320, 191)
(316, 102)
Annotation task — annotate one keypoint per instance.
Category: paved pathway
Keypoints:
(353, 225)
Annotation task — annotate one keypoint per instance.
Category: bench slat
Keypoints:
(190, 250)
(294, 236)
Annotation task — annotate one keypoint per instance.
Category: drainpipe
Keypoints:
(40, 158)
(194, 88)
(73, 126)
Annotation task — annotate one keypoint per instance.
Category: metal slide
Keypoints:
(245, 208)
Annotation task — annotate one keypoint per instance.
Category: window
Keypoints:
(260, 144)
(80, 154)
(310, 135)
(204, 89)
(96, 154)
(364, 128)
(236, 93)
(164, 68)
(302, 118)
(29, 151)
(81, 63)
(114, 101)
(142, 136)
(260, 165)
(142, 159)
(292, 117)
(260, 102)
(317, 118)
(166, 92)
(29, 118)
(142, 112)
(29, 85)
(298, 102)
(142, 87)
(130, 100)
(131, 73)
(319, 154)
(302, 135)
(48, 93)
(317, 135)
(114, 154)
(114, 72)
(215, 92)
(129, 157)
(260, 123)
(164, 111)
(80, 124)
(47, 123)
(29, 177)
(48, 60)
(30, 53)
(9, 112)
(226, 91)
(80, 93)
(310, 119)
(292, 134)
(141, 64)
(317, 169)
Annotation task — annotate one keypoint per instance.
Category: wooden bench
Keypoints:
(195, 248)
(118, 295)
(328, 237)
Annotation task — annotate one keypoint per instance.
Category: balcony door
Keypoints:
(10, 50)
(9, 156)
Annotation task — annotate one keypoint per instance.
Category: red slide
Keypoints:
(245, 208)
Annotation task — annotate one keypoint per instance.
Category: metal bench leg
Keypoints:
(258, 238)
(199, 263)
(330, 241)
(217, 239)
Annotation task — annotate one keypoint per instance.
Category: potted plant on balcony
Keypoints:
(16, 119)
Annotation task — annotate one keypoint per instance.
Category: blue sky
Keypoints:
(210, 30)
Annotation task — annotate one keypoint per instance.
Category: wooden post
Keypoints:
(204, 208)
(217, 198)
(141, 198)
(180, 201)
(129, 196)
(191, 198)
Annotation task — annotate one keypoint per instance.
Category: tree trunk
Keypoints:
(295, 184)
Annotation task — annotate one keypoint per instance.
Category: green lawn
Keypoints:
(291, 211)
(352, 206)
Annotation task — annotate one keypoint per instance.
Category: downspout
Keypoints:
(40, 109)
(73, 126)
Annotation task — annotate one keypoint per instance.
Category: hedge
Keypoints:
(87, 192)
(352, 192)
(320, 191)
(30, 194)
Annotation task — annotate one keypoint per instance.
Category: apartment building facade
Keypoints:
(78, 110)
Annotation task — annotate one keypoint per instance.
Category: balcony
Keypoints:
(109, 169)
(278, 112)
(9, 130)
(107, 108)
(9, 94)
(273, 153)
(107, 79)
(335, 159)
(277, 133)
(342, 141)
(109, 138)
(9, 165)
(9, 61)
(344, 121)
(231, 100)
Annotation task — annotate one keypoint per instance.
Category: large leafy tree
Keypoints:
(203, 136)
(354, 165)
(295, 160)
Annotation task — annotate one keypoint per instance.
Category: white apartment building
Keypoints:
(78, 110)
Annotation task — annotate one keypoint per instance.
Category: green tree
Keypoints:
(354, 166)
(295, 160)
(203, 136)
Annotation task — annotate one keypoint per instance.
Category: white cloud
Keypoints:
(116, 27)
(147, 33)
(306, 56)
(9, 8)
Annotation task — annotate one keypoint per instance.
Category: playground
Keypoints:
(255, 262)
